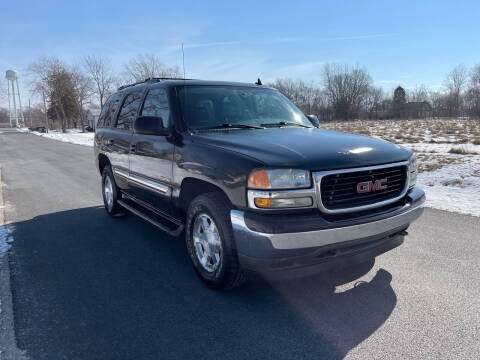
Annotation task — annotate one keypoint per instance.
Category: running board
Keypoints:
(134, 209)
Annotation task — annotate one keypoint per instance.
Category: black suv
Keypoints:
(253, 183)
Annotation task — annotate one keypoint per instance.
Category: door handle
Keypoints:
(132, 148)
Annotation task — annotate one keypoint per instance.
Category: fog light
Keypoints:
(283, 203)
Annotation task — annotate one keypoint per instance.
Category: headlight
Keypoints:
(412, 171)
(279, 179)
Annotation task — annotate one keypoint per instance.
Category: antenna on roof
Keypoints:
(183, 61)
(259, 82)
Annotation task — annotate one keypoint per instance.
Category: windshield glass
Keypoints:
(217, 106)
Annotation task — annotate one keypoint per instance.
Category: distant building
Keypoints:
(419, 110)
(92, 117)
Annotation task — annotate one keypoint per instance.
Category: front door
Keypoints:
(151, 157)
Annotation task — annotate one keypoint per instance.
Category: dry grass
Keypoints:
(456, 182)
(462, 150)
(429, 167)
(434, 131)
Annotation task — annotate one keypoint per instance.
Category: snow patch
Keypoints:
(74, 136)
(454, 187)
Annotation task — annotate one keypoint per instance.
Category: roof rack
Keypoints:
(151, 80)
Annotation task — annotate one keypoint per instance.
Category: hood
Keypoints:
(313, 149)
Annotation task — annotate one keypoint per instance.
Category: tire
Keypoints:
(225, 273)
(111, 203)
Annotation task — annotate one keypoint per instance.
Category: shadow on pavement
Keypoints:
(87, 286)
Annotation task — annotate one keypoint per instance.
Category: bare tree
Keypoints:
(472, 96)
(455, 82)
(346, 88)
(310, 98)
(4, 118)
(101, 74)
(373, 101)
(83, 89)
(418, 94)
(3, 90)
(148, 66)
(52, 80)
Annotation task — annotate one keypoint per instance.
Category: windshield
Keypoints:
(229, 106)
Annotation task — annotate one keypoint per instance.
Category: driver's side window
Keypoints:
(156, 104)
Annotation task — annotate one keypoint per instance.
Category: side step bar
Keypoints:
(134, 209)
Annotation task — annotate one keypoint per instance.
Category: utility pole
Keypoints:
(45, 110)
(30, 113)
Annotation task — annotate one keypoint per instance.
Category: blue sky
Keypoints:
(404, 43)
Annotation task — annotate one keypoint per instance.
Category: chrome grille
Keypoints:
(338, 189)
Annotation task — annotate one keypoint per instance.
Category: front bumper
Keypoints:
(331, 242)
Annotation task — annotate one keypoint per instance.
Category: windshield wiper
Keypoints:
(231, 126)
(283, 123)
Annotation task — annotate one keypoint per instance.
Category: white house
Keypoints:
(92, 117)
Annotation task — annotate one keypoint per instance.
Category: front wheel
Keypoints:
(210, 243)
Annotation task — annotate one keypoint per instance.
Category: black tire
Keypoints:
(229, 274)
(114, 208)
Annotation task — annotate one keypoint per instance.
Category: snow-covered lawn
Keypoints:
(74, 136)
(448, 152)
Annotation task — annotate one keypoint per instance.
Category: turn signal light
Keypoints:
(283, 203)
(263, 203)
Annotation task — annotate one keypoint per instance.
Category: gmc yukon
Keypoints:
(251, 182)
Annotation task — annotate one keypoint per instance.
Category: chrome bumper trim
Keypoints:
(324, 237)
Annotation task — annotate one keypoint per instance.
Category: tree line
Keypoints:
(344, 92)
(347, 93)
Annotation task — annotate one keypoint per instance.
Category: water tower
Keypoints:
(17, 114)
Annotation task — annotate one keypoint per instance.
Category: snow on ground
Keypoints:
(448, 152)
(74, 136)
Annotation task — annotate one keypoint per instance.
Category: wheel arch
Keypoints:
(192, 187)
(102, 162)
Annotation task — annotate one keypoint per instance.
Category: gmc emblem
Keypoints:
(369, 186)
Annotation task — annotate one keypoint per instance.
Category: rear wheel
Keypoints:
(210, 242)
(110, 192)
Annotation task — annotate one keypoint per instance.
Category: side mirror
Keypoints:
(314, 120)
(150, 125)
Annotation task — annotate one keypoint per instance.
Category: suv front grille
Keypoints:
(339, 190)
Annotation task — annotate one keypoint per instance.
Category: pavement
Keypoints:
(84, 285)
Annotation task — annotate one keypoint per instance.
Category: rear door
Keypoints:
(122, 132)
(106, 135)
(152, 155)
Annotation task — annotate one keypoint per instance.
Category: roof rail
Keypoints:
(150, 80)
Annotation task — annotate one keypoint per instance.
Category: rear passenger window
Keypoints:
(156, 104)
(128, 111)
(109, 110)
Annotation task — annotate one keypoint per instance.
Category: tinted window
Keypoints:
(156, 104)
(128, 111)
(207, 106)
(109, 109)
